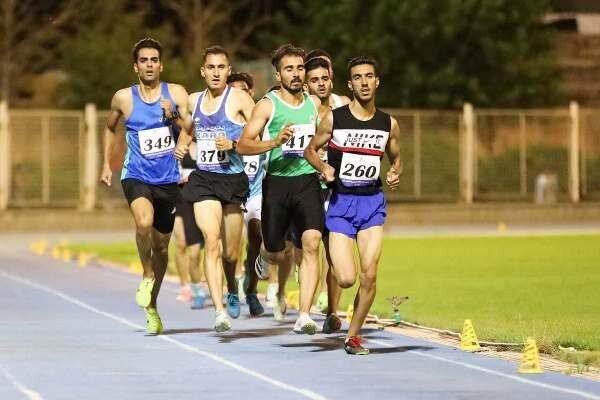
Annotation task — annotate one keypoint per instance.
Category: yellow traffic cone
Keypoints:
(66, 254)
(293, 299)
(468, 338)
(83, 259)
(135, 266)
(349, 312)
(56, 252)
(530, 362)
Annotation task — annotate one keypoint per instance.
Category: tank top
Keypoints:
(355, 150)
(254, 167)
(150, 141)
(288, 159)
(207, 127)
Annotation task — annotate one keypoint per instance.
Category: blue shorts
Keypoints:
(350, 213)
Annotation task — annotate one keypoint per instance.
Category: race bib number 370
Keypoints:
(156, 142)
(295, 146)
(359, 169)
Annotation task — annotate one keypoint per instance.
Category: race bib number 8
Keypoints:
(251, 165)
(208, 157)
(359, 169)
(297, 143)
(156, 142)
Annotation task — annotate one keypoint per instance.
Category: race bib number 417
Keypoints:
(156, 142)
(295, 146)
(359, 169)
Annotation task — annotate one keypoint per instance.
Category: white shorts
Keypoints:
(253, 209)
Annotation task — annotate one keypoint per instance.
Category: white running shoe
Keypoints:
(271, 296)
(279, 309)
(305, 324)
(262, 268)
(222, 323)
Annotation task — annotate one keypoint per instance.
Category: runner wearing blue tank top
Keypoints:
(218, 187)
(150, 173)
(357, 135)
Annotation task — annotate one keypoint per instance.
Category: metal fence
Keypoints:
(53, 157)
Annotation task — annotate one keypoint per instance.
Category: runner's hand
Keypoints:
(223, 144)
(106, 175)
(181, 150)
(167, 108)
(284, 135)
(392, 178)
(328, 173)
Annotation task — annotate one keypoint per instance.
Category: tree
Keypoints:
(437, 53)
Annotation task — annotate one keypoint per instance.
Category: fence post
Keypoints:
(522, 154)
(574, 153)
(5, 159)
(90, 159)
(417, 155)
(467, 147)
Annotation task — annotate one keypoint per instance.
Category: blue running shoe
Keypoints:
(233, 305)
(198, 299)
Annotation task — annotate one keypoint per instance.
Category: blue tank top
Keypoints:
(207, 128)
(254, 167)
(150, 141)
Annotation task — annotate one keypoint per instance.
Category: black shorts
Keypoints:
(162, 197)
(226, 188)
(185, 210)
(290, 205)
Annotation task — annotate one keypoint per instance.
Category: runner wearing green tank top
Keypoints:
(292, 201)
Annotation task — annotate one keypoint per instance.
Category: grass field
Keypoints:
(547, 287)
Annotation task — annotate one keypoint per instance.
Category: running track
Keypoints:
(76, 333)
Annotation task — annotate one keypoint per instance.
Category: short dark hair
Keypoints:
(315, 63)
(214, 50)
(361, 60)
(241, 77)
(285, 50)
(316, 53)
(146, 43)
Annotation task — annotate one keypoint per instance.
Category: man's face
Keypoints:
(243, 86)
(215, 71)
(291, 73)
(363, 82)
(148, 65)
(319, 83)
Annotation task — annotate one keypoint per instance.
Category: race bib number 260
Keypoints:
(359, 169)
(295, 146)
(156, 142)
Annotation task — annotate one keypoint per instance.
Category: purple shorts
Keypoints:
(350, 213)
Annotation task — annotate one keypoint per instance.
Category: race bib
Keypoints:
(359, 169)
(208, 157)
(251, 165)
(156, 142)
(295, 146)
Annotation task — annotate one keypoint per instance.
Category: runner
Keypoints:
(219, 186)
(150, 174)
(358, 134)
(287, 118)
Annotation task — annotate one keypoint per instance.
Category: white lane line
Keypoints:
(282, 385)
(30, 393)
(584, 395)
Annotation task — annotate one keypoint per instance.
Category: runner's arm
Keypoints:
(248, 144)
(243, 104)
(324, 131)
(393, 152)
(187, 125)
(109, 135)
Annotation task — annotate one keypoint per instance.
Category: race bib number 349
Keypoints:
(359, 169)
(297, 143)
(156, 142)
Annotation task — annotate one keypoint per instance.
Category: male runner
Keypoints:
(219, 186)
(358, 134)
(150, 174)
(291, 192)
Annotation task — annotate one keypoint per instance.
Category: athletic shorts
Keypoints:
(226, 188)
(351, 213)
(290, 202)
(162, 197)
(253, 209)
(185, 210)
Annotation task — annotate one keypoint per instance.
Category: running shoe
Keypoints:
(279, 309)
(305, 324)
(322, 302)
(271, 296)
(143, 295)
(233, 305)
(198, 299)
(332, 324)
(353, 345)
(254, 305)
(154, 324)
(262, 268)
(222, 323)
(185, 294)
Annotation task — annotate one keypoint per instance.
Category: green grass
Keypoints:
(510, 287)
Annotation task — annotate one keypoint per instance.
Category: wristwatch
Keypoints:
(233, 144)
